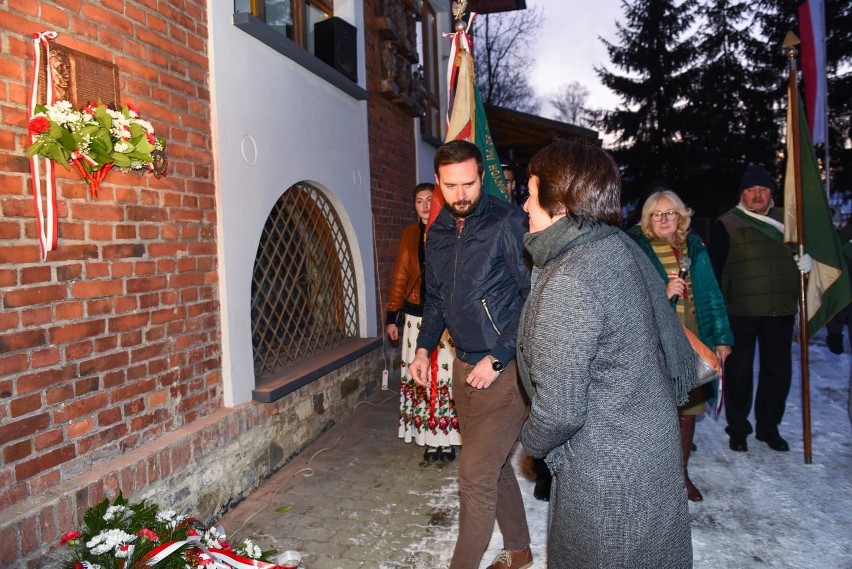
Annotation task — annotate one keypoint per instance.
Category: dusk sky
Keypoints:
(569, 48)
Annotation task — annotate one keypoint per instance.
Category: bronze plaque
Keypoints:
(78, 78)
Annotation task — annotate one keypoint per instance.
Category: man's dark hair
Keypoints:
(580, 179)
(457, 151)
(423, 186)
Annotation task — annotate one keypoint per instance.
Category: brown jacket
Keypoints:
(405, 280)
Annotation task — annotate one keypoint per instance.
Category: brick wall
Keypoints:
(114, 340)
(110, 350)
(393, 166)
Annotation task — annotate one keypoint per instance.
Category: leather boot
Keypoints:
(687, 431)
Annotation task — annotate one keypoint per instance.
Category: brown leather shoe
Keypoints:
(513, 559)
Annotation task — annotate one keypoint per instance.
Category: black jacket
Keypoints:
(476, 283)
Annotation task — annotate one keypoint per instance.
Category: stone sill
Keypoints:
(277, 385)
(288, 48)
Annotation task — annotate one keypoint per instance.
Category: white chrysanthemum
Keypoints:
(114, 512)
(211, 537)
(170, 517)
(62, 114)
(146, 125)
(251, 549)
(108, 540)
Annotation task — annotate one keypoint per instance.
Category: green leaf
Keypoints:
(136, 130)
(89, 129)
(284, 509)
(66, 139)
(34, 148)
(55, 130)
(140, 156)
(120, 160)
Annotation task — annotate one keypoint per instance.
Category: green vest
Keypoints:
(760, 277)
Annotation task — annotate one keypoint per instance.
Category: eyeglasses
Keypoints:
(670, 215)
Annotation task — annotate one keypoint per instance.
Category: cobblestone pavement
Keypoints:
(357, 497)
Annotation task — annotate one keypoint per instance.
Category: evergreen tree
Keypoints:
(655, 58)
(733, 118)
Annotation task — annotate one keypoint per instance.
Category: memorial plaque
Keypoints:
(78, 78)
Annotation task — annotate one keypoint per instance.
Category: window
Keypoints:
(293, 19)
(430, 124)
(304, 296)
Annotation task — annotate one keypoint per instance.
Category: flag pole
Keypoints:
(790, 43)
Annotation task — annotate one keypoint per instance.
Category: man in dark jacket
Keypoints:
(758, 275)
(476, 284)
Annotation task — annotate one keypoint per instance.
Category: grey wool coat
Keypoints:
(603, 406)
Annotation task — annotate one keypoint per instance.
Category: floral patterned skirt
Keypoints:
(429, 421)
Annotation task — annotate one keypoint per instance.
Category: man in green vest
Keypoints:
(758, 275)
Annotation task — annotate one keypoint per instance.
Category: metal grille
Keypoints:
(304, 297)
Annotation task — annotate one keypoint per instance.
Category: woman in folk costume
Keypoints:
(664, 235)
(427, 417)
(605, 362)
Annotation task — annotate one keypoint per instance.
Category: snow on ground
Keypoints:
(761, 508)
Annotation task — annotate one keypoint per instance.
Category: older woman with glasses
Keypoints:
(684, 265)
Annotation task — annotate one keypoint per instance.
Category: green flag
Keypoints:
(828, 288)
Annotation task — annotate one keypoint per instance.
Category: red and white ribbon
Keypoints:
(46, 206)
(460, 40)
(219, 558)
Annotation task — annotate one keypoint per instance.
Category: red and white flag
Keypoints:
(812, 35)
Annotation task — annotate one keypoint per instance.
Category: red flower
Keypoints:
(455, 423)
(442, 423)
(432, 423)
(191, 531)
(39, 125)
(90, 109)
(133, 108)
(148, 534)
(78, 565)
(418, 421)
(151, 138)
(69, 536)
(224, 544)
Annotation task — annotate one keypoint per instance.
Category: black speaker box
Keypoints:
(334, 43)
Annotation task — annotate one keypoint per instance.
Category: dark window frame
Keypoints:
(259, 30)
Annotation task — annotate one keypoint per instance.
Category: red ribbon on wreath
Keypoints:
(93, 179)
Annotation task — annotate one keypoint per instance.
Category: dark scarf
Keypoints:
(545, 246)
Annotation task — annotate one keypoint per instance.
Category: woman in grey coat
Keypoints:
(605, 362)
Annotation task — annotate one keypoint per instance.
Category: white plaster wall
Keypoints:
(276, 124)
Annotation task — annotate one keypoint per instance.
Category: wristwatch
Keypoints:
(496, 364)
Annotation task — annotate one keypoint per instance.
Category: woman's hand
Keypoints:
(722, 352)
(676, 286)
(392, 331)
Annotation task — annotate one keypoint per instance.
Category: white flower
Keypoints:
(146, 125)
(123, 147)
(251, 549)
(108, 540)
(113, 512)
(211, 537)
(170, 517)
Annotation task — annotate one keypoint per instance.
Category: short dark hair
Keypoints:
(424, 186)
(457, 151)
(579, 179)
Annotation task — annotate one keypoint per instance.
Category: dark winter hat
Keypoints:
(756, 176)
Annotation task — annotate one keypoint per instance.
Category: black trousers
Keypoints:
(773, 336)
